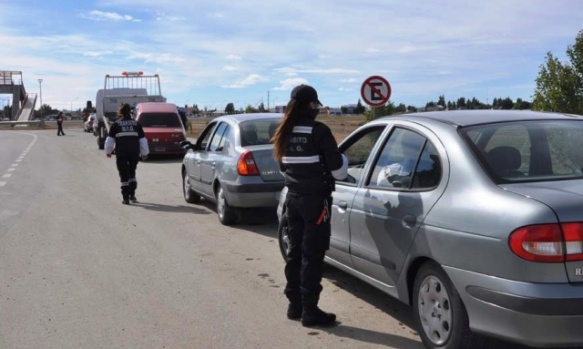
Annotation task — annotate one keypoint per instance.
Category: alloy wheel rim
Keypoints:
(185, 187)
(221, 203)
(435, 310)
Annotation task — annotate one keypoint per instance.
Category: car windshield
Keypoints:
(257, 132)
(159, 120)
(529, 151)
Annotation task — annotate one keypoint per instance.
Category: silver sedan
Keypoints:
(232, 165)
(474, 218)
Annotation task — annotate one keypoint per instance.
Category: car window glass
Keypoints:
(529, 150)
(357, 150)
(205, 136)
(159, 120)
(396, 163)
(225, 139)
(258, 132)
(428, 171)
(218, 135)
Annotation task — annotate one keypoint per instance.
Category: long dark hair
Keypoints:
(286, 127)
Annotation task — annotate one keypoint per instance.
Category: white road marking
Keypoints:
(20, 158)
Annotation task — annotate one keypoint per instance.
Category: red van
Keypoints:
(162, 125)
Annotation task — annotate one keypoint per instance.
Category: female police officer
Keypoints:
(310, 160)
(127, 137)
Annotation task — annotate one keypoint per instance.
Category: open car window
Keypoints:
(357, 150)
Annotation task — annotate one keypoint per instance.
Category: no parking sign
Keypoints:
(375, 91)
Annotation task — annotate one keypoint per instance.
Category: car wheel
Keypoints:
(283, 237)
(190, 195)
(439, 311)
(227, 214)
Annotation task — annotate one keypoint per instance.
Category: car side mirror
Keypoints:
(187, 145)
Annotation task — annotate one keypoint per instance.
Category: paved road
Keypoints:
(81, 270)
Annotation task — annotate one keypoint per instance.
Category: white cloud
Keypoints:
(288, 84)
(229, 68)
(96, 15)
(232, 57)
(250, 80)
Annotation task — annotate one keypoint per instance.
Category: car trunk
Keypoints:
(565, 198)
(266, 164)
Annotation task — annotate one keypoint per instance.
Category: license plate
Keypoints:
(160, 149)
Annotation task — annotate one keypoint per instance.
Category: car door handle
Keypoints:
(213, 165)
(198, 162)
(343, 205)
(409, 221)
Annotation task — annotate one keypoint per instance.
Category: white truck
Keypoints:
(129, 87)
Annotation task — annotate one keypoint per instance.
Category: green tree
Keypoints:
(359, 108)
(230, 108)
(250, 109)
(559, 86)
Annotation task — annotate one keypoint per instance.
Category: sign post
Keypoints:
(375, 91)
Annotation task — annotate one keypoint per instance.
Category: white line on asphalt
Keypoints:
(14, 165)
(11, 169)
(2, 184)
(7, 175)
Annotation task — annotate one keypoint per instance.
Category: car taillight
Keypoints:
(548, 242)
(573, 233)
(246, 165)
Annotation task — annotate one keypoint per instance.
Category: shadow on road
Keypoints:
(372, 337)
(168, 208)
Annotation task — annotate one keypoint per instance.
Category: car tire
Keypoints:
(227, 214)
(439, 312)
(283, 238)
(190, 195)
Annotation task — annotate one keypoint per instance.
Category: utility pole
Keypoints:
(40, 87)
(267, 100)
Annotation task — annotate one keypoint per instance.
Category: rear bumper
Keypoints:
(253, 194)
(165, 148)
(538, 315)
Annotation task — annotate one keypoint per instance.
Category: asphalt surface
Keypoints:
(81, 270)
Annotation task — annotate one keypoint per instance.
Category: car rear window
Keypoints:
(258, 132)
(529, 151)
(159, 120)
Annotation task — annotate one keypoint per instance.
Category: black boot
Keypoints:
(316, 317)
(294, 311)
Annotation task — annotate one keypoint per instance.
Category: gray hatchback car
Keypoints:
(474, 218)
(232, 165)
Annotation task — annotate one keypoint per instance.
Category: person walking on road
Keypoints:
(127, 137)
(60, 120)
(310, 160)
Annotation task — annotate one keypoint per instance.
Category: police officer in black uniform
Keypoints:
(127, 137)
(310, 160)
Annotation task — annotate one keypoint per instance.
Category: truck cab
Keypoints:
(130, 88)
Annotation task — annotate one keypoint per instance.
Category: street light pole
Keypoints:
(40, 82)
(71, 110)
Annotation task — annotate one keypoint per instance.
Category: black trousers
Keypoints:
(126, 166)
(60, 130)
(309, 240)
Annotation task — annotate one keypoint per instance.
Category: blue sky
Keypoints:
(215, 52)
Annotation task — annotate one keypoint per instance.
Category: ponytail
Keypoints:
(283, 130)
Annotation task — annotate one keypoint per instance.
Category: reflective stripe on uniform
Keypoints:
(300, 159)
(302, 129)
(125, 134)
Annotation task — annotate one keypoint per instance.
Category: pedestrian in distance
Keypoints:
(60, 120)
(310, 161)
(126, 137)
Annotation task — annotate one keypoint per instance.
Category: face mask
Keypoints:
(312, 113)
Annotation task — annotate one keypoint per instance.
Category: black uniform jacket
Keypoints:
(127, 133)
(311, 153)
